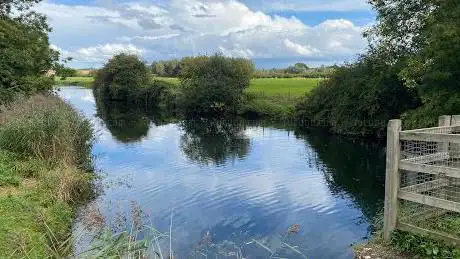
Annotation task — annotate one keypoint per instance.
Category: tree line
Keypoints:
(173, 68)
(410, 70)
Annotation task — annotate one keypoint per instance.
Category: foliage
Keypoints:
(65, 72)
(25, 54)
(433, 70)
(422, 246)
(416, 41)
(120, 76)
(359, 99)
(24, 57)
(167, 68)
(298, 70)
(214, 84)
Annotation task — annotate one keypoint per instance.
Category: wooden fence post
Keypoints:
(455, 148)
(455, 120)
(444, 120)
(392, 178)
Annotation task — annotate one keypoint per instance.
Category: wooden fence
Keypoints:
(422, 185)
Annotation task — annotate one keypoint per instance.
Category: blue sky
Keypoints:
(274, 33)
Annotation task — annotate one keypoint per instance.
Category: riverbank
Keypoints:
(84, 81)
(273, 98)
(45, 173)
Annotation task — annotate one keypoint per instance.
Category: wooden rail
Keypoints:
(444, 139)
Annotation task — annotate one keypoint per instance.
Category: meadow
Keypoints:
(85, 81)
(294, 87)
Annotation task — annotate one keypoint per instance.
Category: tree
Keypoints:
(360, 98)
(158, 68)
(298, 68)
(214, 84)
(122, 75)
(434, 69)
(213, 141)
(25, 54)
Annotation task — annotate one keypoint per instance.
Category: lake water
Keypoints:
(232, 182)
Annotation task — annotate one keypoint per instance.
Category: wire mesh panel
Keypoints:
(429, 187)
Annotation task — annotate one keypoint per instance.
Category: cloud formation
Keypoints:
(178, 28)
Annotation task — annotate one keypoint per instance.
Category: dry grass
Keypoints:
(68, 183)
(46, 128)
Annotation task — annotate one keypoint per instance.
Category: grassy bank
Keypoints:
(45, 172)
(276, 98)
(85, 81)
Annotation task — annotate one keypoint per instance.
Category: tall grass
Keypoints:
(46, 128)
(46, 168)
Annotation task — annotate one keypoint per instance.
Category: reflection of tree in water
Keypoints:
(214, 141)
(129, 122)
(125, 123)
(355, 168)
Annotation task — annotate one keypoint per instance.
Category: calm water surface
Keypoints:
(237, 181)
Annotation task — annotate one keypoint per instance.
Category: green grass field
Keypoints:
(294, 87)
(75, 81)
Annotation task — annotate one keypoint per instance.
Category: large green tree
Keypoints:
(214, 84)
(122, 76)
(359, 98)
(416, 44)
(25, 54)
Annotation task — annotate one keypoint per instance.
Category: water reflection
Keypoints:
(237, 181)
(352, 167)
(214, 141)
(127, 124)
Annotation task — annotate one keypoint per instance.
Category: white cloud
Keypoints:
(300, 49)
(148, 38)
(316, 5)
(190, 27)
(104, 52)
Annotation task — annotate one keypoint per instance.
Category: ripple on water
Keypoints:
(245, 183)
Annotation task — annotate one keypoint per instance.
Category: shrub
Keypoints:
(122, 75)
(359, 99)
(25, 56)
(422, 246)
(213, 84)
(47, 128)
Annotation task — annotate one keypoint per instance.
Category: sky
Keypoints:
(273, 33)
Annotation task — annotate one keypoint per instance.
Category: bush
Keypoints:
(122, 75)
(359, 99)
(213, 84)
(25, 56)
(47, 128)
(422, 246)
